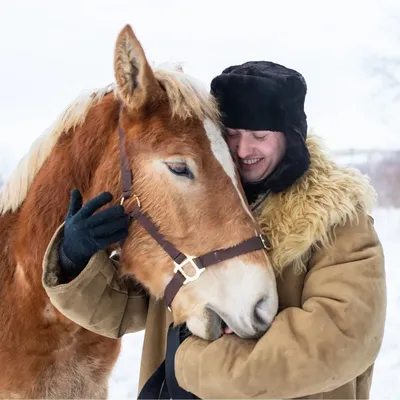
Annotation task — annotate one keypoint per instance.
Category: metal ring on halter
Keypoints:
(188, 278)
(137, 200)
(134, 196)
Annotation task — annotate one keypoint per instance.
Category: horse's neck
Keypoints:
(72, 164)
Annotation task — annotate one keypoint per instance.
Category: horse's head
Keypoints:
(186, 182)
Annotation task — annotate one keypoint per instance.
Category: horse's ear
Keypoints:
(136, 82)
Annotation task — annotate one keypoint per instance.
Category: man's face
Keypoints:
(257, 153)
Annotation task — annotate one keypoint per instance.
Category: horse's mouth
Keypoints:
(225, 328)
(216, 326)
(220, 324)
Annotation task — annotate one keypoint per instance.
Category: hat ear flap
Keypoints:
(292, 102)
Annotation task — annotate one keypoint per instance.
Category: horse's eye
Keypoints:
(180, 169)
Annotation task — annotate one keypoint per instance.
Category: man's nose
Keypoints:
(244, 149)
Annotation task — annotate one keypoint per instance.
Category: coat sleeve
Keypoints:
(98, 299)
(334, 337)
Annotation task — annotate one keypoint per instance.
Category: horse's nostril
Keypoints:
(261, 319)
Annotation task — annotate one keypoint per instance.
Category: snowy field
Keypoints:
(386, 383)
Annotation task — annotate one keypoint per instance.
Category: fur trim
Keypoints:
(303, 218)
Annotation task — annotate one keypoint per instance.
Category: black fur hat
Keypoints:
(262, 95)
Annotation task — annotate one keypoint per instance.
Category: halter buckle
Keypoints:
(188, 278)
(266, 247)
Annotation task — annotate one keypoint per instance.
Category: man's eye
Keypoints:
(231, 132)
(181, 170)
(260, 137)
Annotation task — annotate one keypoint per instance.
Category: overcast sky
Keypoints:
(51, 51)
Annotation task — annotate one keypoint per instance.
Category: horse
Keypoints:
(187, 184)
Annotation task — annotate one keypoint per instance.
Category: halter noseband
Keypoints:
(180, 259)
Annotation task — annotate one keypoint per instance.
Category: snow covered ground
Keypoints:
(386, 383)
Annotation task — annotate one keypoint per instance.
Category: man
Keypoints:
(328, 258)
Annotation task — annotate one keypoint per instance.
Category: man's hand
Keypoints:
(85, 232)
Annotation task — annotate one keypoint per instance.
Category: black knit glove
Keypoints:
(85, 234)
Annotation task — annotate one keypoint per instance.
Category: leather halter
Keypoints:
(197, 264)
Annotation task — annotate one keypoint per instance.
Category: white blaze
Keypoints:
(222, 154)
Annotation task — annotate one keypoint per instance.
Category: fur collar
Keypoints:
(302, 218)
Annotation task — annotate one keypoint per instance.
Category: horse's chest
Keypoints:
(78, 370)
(84, 370)
(75, 377)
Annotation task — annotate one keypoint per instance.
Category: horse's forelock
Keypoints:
(187, 96)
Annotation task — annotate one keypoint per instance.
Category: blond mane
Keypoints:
(187, 98)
